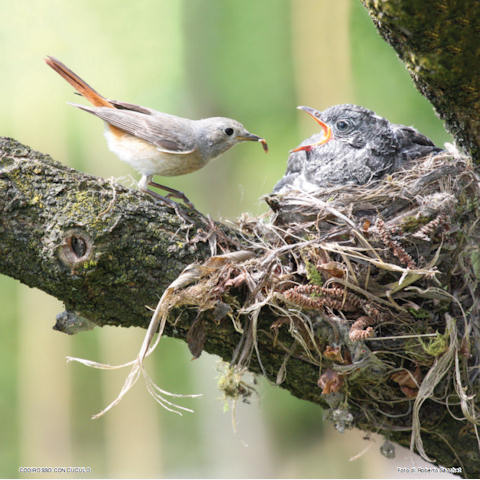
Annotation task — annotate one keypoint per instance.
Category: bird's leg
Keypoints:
(173, 193)
(170, 203)
(143, 186)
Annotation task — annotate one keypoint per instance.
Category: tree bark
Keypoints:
(108, 252)
(439, 43)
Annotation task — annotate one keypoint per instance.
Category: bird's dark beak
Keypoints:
(327, 131)
(250, 137)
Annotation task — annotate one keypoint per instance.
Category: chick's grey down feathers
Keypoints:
(364, 147)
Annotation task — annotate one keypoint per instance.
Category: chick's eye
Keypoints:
(342, 125)
(229, 131)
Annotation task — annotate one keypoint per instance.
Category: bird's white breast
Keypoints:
(147, 159)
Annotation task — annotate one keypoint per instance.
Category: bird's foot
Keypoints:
(169, 202)
(172, 193)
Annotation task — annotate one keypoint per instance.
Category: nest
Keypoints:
(375, 285)
(378, 286)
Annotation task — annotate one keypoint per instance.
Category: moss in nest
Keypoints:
(415, 352)
(467, 205)
(310, 260)
(233, 386)
(411, 223)
(231, 300)
(475, 260)
(436, 345)
(419, 313)
(313, 275)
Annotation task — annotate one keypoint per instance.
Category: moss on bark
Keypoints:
(439, 43)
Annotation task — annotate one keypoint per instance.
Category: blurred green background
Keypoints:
(254, 61)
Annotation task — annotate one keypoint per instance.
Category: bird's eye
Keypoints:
(342, 125)
(229, 131)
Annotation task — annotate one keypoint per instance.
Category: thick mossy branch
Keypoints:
(87, 241)
(439, 43)
(108, 252)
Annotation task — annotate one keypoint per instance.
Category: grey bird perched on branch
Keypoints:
(354, 146)
(156, 143)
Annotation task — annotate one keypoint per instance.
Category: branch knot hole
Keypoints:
(76, 248)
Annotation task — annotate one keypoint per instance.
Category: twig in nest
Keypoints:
(386, 236)
(299, 330)
(156, 323)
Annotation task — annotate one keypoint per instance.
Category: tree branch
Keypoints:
(439, 43)
(108, 252)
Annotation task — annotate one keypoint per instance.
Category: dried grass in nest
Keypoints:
(376, 284)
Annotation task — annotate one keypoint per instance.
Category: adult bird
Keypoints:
(156, 143)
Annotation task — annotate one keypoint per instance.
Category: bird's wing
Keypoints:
(168, 133)
(132, 107)
(286, 182)
(408, 135)
(412, 143)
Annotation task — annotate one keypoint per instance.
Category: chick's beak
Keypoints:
(247, 136)
(327, 131)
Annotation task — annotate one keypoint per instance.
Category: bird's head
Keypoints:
(218, 134)
(347, 123)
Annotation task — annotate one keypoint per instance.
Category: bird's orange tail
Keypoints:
(77, 83)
